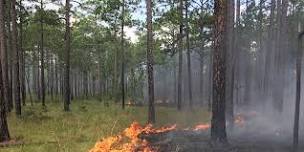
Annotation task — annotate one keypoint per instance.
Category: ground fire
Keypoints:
(135, 138)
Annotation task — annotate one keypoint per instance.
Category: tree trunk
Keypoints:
(16, 59)
(180, 57)
(150, 62)
(42, 54)
(269, 53)
(218, 122)
(187, 3)
(9, 57)
(22, 58)
(67, 57)
(122, 56)
(202, 47)
(231, 59)
(4, 135)
(4, 65)
(298, 93)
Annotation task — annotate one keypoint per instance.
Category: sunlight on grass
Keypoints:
(53, 130)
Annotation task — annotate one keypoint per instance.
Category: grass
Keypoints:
(53, 130)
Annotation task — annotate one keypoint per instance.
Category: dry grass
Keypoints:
(77, 131)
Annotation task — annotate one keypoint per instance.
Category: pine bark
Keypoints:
(218, 122)
(231, 64)
(9, 56)
(16, 59)
(150, 62)
(4, 65)
(22, 58)
(67, 91)
(4, 135)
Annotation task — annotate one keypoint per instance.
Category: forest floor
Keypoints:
(53, 130)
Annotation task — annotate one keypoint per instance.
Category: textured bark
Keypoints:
(150, 62)
(218, 122)
(180, 57)
(4, 132)
(67, 93)
(16, 59)
(9, 59)
(187, 3)
(22, 59)
(4, 65)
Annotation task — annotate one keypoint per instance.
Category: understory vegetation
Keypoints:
(53, 130)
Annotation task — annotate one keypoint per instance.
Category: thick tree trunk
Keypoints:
(230, 58)
(218, 122)
(4, 65)
(9, 57)
(4, 132)
(16, 59)
(150, 62)
(67, 93)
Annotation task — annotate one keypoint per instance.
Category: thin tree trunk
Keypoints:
(150, 62)
(122, 56)
(210, 92)
(298, 93)
(202, 47)
(180, 57)
(29, 87)
(67, 57)
(188, 55)
(22, 58)
(42, 54)
(269, 53)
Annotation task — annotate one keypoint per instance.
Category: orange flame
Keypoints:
(239, 120)
(129, 141)
(110, 144)
(202, 127)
